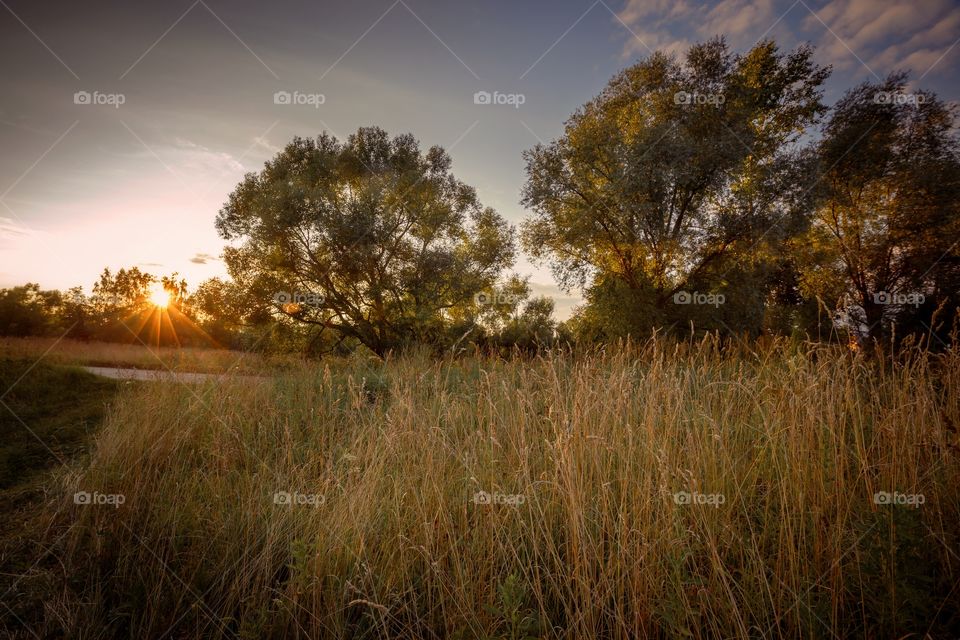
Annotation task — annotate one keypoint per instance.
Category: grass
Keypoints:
(49, 415)
(138, 356)
(589, 460)
(47, 418)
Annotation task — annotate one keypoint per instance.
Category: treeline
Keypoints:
(712, 192)
(121, 307)
(720, 192)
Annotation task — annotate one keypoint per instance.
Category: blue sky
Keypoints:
(87, 186)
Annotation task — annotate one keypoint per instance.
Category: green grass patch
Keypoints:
(49, 415)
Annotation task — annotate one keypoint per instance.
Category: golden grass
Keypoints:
(796, 441)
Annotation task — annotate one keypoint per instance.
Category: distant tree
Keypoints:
(176, 287)
(116, 300)
(680, 176)
(504, 317)
(119, 309)
(120, 293)
(369, 238)
(532, 329)
(234, 317)
(221, 310)
(29, 311)
(75, 314)
(884, 249)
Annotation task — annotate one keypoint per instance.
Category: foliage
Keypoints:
(676, 174)
(888, 219)
(370, 238)
(29, 311)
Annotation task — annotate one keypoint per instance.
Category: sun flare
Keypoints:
(159, 297)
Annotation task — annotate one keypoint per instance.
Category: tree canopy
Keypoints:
(369, 238)
(883, 244)
(676, 168)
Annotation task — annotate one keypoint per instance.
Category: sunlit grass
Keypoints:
(796, 440)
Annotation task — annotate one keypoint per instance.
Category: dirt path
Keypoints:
(157, 375)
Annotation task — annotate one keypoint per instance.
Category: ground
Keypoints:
(656, 490)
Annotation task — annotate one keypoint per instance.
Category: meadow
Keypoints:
(665, 489)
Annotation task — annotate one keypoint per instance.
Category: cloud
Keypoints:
(11, 229)
(674, 26)
(203, 258)
(197, 157)
(886, 36)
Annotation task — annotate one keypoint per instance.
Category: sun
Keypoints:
(159, 297)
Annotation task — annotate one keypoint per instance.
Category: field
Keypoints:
(656, 490)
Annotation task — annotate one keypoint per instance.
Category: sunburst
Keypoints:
(159, 297)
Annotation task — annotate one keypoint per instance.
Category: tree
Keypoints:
(369, 238)
(679, 176)
(116, 301)
(29, 311)
(504, 317)
(532, 329)
(883, 245)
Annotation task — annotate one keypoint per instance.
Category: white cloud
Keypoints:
(11, 229)
(674, 26)
(203, 258)
(887, 36)
(198, 157)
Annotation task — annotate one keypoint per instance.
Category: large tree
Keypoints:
(675, 170)
(884, 244)
(369, 238)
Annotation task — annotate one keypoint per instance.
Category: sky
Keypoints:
(125, 125)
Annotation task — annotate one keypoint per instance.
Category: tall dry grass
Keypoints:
(784, 448)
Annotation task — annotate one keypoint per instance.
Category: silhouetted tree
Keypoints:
(883, 248)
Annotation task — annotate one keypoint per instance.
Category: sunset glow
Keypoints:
(159, 297)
